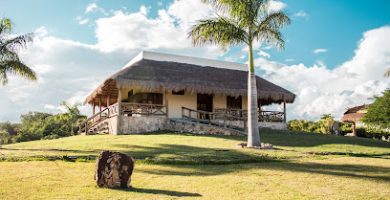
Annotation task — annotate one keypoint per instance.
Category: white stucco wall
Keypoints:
(219, 101)
(175, 102)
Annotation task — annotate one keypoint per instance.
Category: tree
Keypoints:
(9, 59)
(73, 115)
(378, 113)
(243, 22)
(326, 123)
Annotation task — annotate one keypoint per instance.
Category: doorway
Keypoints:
(205, 103)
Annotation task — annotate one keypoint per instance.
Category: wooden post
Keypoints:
(108, 104)
(224, 120)
(86, 128)
(284, 112)
(93, 110)
(100, 104)
(354, 129)
(166, 104)
(119, 118)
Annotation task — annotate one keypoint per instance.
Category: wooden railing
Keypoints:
(271, 116)
(129, 109)
(134, 109)
(214, 118)
(263, 116)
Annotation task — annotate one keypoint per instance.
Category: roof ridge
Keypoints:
(203, 62)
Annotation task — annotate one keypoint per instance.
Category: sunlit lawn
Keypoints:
(173, 166)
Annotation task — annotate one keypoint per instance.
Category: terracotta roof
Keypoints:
(352, 117)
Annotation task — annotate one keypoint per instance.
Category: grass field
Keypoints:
(170, 166)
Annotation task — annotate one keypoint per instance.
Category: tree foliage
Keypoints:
(9, 59)
(378, 113)
(324, 125)
(39, 125)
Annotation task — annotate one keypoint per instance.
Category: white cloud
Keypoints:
(301, 13)
(81, 20)
(264, 54)
(320, 50)
(167, 31)
(275, 6)
(93, 7)
(69, 70)
(321, 90)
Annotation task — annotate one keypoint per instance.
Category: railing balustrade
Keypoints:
(263, 116)
(135, 109)
(214, 118)
(129, 109)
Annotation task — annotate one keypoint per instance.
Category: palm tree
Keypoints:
(243, 22)
(72, 115)
(9, 59)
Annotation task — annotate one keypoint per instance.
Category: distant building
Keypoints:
(355, 115)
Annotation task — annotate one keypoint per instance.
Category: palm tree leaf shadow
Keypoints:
(162, 192)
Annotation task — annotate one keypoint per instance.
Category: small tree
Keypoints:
(326, 123)
(378, 113)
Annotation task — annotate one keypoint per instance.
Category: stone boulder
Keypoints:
(113, 170)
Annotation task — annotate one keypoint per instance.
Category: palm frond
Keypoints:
(274, 20)
(7, 54)
(5, 25)
(387, 74)
(218, 31)
(16, 42)
(244, 11)
(267, 29)
(15, 67)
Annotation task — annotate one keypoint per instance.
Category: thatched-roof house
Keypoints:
(169, 85)
(354, 115)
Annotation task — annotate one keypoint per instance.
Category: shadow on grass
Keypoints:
(162, 192)
(346, 170)
(302, 139)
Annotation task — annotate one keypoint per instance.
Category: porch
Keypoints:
(128, 117)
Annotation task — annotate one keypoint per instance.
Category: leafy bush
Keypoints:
(5, 137)
(378, 113)
(345, 128)
(324, 125)
(38, 125)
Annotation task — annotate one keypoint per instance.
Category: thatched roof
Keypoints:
(354, 114)
(155, 75)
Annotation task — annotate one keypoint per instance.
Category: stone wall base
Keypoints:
(202, 129)
(148, 124)
(273, 125)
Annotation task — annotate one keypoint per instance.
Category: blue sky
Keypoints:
(334, 25)
(336, 50)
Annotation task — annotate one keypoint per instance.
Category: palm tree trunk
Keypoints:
(253, 129)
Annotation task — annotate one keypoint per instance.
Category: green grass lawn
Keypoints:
(170, 166)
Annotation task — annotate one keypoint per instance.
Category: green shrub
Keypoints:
(345, 128)
(5, 137)
(378, 113)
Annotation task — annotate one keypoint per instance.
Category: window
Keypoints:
(180, 92)
(147, 98)
(234, 102)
